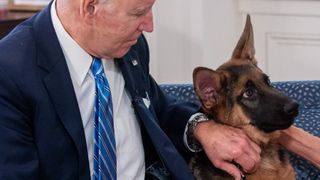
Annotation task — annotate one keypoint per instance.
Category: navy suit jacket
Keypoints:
(41, 131)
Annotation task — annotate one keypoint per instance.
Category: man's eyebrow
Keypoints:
(142, 8)
(139, 9)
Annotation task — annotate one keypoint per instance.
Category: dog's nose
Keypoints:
(291, 108)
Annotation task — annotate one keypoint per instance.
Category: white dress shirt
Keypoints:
(130, 153)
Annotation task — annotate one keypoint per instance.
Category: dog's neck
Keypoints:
(261, 138)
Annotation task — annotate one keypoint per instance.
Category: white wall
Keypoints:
(189, 33)
(287, 34)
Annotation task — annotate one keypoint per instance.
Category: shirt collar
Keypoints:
(78, 60)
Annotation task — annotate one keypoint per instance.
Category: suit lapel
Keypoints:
(137, 85)
(59, 85)
(135, 80)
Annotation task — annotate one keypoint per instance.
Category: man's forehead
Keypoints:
(139, 4)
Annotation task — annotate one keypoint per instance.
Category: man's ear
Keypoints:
(207, 83)
(88, 8)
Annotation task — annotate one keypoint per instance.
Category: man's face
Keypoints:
(118, 24)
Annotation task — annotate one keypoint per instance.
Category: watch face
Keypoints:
(200, 118)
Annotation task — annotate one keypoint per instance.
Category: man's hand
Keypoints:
(224, 144)
(302, 143)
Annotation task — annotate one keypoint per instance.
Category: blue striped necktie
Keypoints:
(104, 164)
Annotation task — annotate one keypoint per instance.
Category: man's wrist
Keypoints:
(190, 141)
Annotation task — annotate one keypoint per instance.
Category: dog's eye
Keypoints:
(250, 93)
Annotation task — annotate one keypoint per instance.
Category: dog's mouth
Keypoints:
(270, 127)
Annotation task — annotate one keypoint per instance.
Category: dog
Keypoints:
(239, 94)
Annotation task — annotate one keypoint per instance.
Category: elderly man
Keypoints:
(77, 101)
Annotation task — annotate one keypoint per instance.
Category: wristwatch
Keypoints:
(191, 141)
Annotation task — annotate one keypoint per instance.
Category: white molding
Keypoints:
(295, 38)
(298, 62)
(280, 7)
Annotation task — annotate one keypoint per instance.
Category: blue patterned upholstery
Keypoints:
(307, 93)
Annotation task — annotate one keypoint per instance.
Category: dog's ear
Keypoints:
(206, 84)
(245, 47)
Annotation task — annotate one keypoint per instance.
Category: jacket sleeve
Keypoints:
(18, 152)
(172, 114)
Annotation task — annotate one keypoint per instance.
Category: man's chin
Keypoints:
(122, 53)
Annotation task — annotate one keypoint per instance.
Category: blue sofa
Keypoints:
(307, 93)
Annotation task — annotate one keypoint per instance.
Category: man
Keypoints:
(48, 103)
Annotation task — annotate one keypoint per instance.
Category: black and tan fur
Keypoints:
(239, 94)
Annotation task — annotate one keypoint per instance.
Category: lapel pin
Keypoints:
(146, 101)
(134, 62)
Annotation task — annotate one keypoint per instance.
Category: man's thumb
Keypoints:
(230, 169)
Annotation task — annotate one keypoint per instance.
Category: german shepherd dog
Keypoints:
(239, 94)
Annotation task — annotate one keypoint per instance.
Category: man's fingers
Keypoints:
(256, 148)
(230, 168)
(231, 144)
(247, 163)
(255, 164)
(247, 145)
(247, 156)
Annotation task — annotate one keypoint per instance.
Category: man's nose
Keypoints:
(147, 24)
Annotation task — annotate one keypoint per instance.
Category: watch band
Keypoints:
(191, 141)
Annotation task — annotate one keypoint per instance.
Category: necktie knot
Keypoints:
(96, 67)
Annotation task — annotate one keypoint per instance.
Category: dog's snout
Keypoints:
(291, 108)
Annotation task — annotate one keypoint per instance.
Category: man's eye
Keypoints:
(139, 14)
